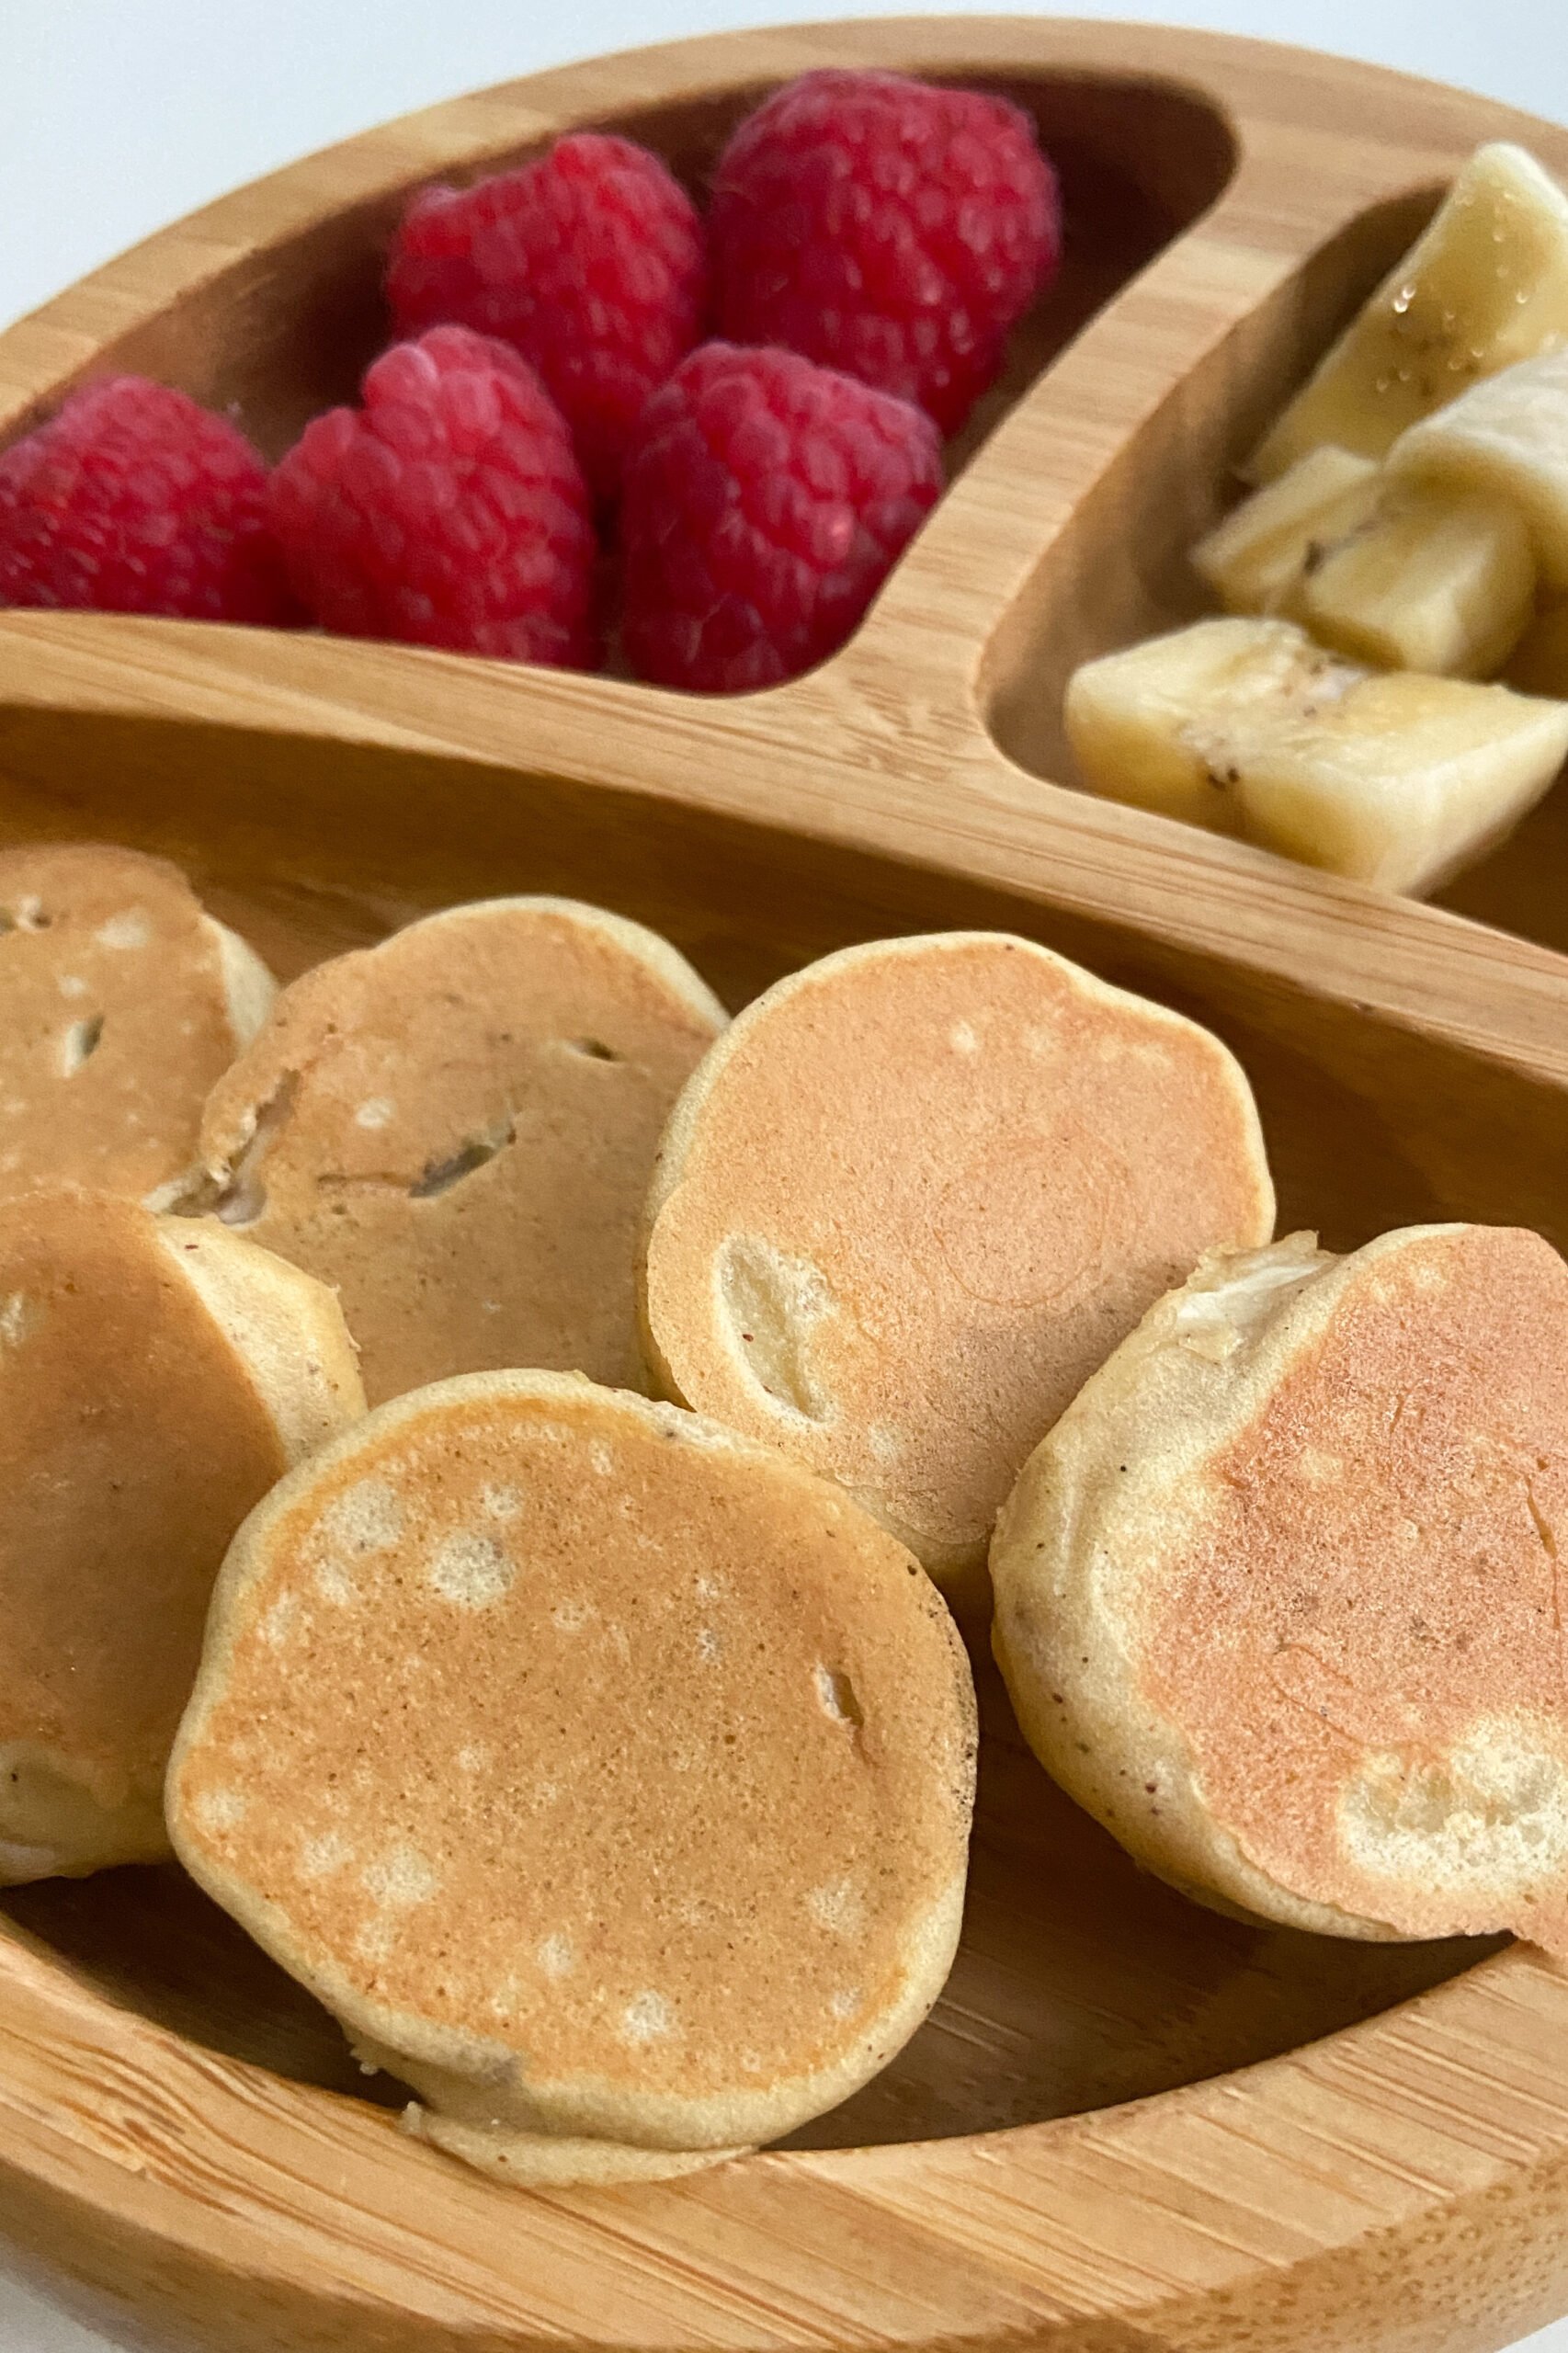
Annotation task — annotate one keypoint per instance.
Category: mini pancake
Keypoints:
(156, 1378)
(1278, 1598)
(911, 1200)
(607, 1774)
(120, 1005)
(457, 1129)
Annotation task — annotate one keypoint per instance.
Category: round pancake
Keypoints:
(457, 1129)
(554, 2160)
(608, 1775)
(156, 1378)
(1279, 1598)
(915, 1194)
(121, 1004)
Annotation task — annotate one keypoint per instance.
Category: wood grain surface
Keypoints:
(1132, 2126)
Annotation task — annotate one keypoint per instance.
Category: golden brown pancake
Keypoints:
(915, 1194)
(121, 1004)
(608, 1775)
(457, 1129)
(1279, 1598)
(156, 1376)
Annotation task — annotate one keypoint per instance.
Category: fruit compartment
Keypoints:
(286, 329)
(1118, 570)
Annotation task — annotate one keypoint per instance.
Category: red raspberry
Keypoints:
(450, 510)
(589, 261)
(764, 503)
(887, 228)
(136, 500)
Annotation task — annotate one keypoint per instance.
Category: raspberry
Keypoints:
(450, 510)
(589, 261)
(135, 500)
(886, 228)
(765, 502)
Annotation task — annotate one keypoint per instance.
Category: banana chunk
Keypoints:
(1486, 285)
(1255, 559)
(1402, 575)
(1248, 728)
(1148, 724)
(1434, 579)
(1509, 438)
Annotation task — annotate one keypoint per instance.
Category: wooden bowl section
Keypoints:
(1130, 2124)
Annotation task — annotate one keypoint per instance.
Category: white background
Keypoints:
(119, 115)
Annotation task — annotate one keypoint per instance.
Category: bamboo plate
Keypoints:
(1130, 2127)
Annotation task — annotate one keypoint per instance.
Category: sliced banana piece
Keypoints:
(1433, 579)
(1509, 438)
(1538, 664)
(1487, 284)
(1142, 723)
(1253, 560)
(1406, 575)
(1249, 728)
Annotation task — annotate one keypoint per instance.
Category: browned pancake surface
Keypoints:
(457, 1129)
(1368, 1639)
(114, 1018)
(546, 1718)
(131, 1445)
(962, 1169)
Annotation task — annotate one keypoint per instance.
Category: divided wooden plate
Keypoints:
(1131, 2125)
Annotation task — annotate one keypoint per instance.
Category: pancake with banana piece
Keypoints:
(607, 1774)
(121, 1002)
(457, 1129)
(1278, 1598)
(156, 1378)
(915, 1194)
